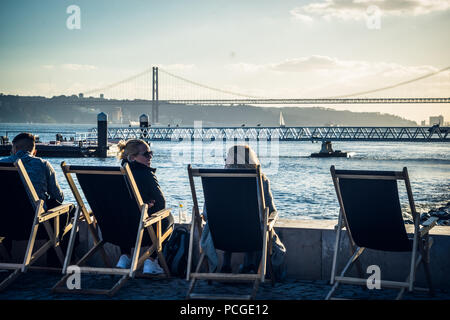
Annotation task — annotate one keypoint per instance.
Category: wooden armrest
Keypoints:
(157, 216)
(61, 208)
(52, 213)
(161, 213)
(428, 225)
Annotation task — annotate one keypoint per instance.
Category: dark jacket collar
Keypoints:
(137, 165)
(23, 154)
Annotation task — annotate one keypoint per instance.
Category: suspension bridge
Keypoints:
(148, 88)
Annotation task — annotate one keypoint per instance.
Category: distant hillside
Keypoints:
(65, 110)
(269, 116)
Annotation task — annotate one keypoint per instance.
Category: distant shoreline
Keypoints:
(57, 110)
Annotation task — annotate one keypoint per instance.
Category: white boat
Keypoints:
(282, 124)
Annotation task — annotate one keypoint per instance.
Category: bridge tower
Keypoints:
(155, 102)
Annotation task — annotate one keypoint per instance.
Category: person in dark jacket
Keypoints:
(138, 155)
(40, 171)
(43, 178)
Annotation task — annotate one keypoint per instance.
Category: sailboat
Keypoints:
(282, 124)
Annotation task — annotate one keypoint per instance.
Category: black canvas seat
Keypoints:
(233, 209)
(110, 199)
(22, 214)
(379, 201)
(372, 214)
(117, 208)
(238, 222)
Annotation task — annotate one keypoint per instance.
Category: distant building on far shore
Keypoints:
(437, 120)
(117, 116)
(423, 123)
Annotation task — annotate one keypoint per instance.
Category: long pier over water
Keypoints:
(391, 134)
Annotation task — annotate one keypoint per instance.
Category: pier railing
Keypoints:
(394, 134)
(87, 138)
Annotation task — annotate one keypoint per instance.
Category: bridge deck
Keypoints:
(113, 102)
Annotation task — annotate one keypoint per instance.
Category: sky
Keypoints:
(264, 48)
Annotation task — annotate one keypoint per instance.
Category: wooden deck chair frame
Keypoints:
(422, 242)
(197, 223)
(145, 223)
(41, 217)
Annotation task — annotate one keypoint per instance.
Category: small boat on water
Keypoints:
(60, 147)
(336, 154)
(327, 152)
(57, 150)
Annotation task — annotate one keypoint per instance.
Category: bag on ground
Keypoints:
(176, 252)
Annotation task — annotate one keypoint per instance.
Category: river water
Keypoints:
(301, 186)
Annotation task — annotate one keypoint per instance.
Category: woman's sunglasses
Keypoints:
(147, 154)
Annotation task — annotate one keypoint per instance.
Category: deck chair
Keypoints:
(112, 194)
(370, 211)
(21, 214)
(238, 221)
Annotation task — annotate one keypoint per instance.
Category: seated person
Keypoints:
(40, 171)
(43, 178)
(138, 155)
(242, 156)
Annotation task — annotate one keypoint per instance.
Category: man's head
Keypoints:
(24, 142)
(241, 156)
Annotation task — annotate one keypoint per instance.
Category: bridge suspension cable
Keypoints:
(208, 87)
(130, 86)
(116, 84)
(391, 86)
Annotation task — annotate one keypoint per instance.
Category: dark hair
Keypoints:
(24, 141)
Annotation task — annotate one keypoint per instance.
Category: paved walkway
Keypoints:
(37, 286)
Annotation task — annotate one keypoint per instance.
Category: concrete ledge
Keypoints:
(310, 248)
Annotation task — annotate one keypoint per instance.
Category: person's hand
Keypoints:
(151, 203)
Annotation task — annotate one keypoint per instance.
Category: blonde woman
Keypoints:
(138, 155)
